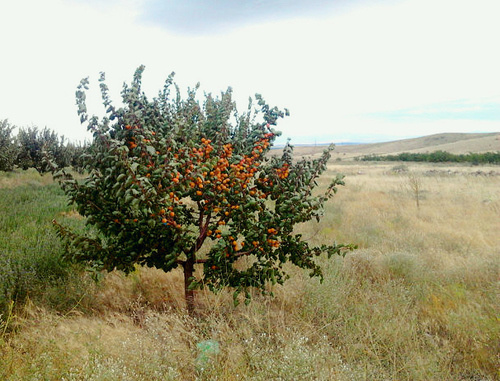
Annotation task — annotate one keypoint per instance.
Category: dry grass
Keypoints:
(425, 279)
(417, 301)
(30, 177)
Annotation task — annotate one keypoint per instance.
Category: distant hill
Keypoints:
(457, 143)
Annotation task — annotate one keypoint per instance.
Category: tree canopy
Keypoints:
(175, 182)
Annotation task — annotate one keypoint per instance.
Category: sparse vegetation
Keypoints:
(417, 301)
(415, 186)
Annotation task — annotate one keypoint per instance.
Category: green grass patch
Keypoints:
(31, 263)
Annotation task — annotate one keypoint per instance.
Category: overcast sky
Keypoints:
(347, 70)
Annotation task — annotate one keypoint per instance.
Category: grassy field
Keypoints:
(419, 299)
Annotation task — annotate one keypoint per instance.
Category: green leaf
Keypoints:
(134, 166)
(151, 150)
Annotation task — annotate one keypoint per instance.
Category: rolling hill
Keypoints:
(457, 143)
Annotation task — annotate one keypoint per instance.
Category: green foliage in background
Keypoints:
(29, 148)
(8, 147)
(439, 157)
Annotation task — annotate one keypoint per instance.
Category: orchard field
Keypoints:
(418, 299)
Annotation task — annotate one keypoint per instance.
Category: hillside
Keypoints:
(457, 143)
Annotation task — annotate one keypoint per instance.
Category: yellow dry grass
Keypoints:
(24, 178)
(417, 301)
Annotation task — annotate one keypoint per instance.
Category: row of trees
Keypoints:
(26, 149)
(439, 157)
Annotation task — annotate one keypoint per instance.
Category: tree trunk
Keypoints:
(189, 294)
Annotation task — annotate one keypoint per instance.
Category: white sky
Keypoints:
(370, 71)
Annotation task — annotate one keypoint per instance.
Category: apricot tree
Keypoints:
(172, 182)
